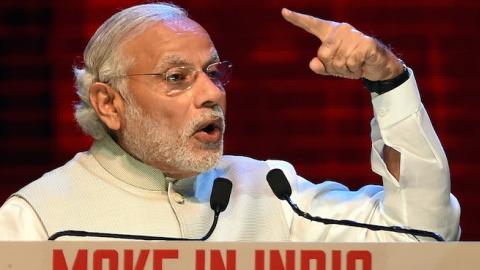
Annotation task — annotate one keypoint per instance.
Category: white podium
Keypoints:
(138, 255)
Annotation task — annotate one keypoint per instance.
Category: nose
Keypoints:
(207, 93)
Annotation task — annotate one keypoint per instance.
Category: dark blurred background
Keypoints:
(277, 108)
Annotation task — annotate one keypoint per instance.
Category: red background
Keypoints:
(277, 108)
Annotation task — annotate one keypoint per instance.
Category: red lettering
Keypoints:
(141, 261)
(259, 260)
(364, 255)
(110, 255)
(200, 259)
(216, 260)
(59, 262)
(159, 255)
(336, 260)
(276, 262)
(308, 255)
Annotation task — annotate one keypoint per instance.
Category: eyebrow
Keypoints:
(172, 60)
(175, 60)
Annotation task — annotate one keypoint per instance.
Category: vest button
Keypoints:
(178, 198)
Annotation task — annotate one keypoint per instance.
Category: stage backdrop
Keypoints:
(277, 108)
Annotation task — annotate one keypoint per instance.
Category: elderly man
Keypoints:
(153, 98)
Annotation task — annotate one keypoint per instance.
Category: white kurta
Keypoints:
(107, 190)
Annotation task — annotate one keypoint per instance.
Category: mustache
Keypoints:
(215, 116)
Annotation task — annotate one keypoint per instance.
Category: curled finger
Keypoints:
(317, 66)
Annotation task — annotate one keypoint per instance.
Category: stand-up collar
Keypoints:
(126, 168)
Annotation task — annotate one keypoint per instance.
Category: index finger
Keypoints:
(316, 26)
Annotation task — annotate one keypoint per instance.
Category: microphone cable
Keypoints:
(281, 188)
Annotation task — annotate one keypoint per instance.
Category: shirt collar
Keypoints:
(126, 168)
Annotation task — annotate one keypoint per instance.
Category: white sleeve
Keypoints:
(420, 200)
(19, 222)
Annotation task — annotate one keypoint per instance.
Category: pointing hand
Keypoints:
(346, 52)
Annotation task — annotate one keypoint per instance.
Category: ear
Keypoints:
(108, 104)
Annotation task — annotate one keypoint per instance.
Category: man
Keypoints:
(152, 95)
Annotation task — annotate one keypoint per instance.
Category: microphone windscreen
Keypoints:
(220, 196)
(278, 182)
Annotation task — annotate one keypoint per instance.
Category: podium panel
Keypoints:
(175, 255)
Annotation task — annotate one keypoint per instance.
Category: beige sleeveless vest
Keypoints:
(106, 190)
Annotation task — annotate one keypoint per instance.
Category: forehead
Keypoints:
(175, 41)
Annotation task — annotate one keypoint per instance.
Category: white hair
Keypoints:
(104, 61)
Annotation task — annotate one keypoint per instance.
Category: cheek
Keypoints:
(175, 116)
(174, 113)
(168, 110)
(223, 103)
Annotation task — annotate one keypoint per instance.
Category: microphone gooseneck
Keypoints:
(222, 188)
(281, 188)
(219, 199)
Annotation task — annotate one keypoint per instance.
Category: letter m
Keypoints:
(59, 262)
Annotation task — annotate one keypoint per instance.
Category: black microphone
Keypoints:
(222, 188)
(219, 199)
(281, 188)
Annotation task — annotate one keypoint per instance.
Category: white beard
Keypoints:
(152, 142)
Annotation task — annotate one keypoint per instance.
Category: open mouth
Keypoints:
(209, 132)
(210, 128)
